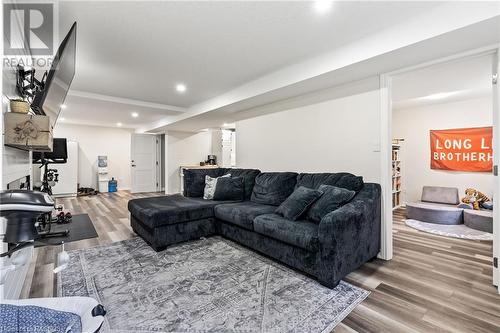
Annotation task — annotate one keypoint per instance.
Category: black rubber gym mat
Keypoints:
(81, 227)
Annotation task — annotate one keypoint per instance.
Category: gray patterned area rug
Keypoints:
(210, 285)
(455, 230)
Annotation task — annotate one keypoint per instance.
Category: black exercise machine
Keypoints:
(21, 210)
(59, 155)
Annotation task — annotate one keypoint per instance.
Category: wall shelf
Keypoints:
(27, 132)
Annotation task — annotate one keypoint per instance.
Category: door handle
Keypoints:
(133, 165)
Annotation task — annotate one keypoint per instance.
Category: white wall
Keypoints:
(413, 125)
(94, 141)
(15, 162)
(340, 134)
(184, 149)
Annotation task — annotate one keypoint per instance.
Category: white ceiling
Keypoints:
(455, 80)
(89, 109)
(140, 50)
(131, 54)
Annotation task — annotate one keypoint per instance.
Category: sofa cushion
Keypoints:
(194, 181)
(248, 176)
(242, 213)
(272, 188)
(315, 180)
(229, 188)
(434, 213)
(333, 197)
(440, 194)
(302, 234)
(479, 220)
(340, 179)
(298, 202)
(170, 209)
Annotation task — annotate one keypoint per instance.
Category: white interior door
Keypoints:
(496, 163)
(143, 163)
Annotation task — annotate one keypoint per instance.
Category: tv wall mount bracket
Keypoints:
(27, 85)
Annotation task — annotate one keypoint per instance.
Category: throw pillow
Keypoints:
(351, 182)
(230, 188)
(210, 185)
(298, 202)
(333, 198)
(194, 180)
(487, 205)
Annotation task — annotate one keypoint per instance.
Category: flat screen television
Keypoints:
(59, 153)
(49, 100)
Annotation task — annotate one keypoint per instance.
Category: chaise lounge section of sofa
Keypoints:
(342, 241)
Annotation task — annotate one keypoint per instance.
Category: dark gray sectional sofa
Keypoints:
(342, 241)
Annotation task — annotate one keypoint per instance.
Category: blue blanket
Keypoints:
(35, 319)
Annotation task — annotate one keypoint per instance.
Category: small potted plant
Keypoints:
(19, 105)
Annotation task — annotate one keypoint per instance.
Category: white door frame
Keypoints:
(496, 163)
(386, 251)
(159, 163)
(386, 247)
(165, 163)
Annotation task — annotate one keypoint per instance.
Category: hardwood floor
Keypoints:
(433, 284)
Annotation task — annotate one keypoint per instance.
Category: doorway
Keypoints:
(452, 93)
(146, 163)
(228, 154)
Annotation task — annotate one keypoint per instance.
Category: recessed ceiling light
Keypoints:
(225, 125)
(437, 96)
(180, 87)
(135, 114)
(62, 119)
(63, 106)
(119, 124)
(322, 6)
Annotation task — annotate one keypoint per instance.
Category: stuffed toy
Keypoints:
(475, 198)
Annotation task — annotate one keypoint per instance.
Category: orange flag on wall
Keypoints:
(462, 149)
